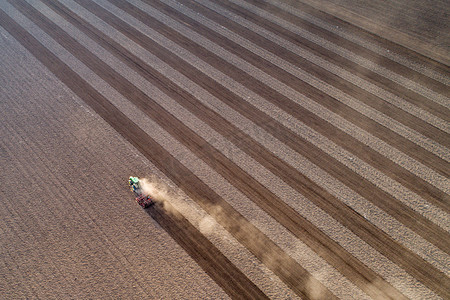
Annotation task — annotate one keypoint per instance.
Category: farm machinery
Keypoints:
(142, 199)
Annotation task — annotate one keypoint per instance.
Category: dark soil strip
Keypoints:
(408, 260)
(264, 249)
(255, 191)
(351, 115)
(209, 258)
(342, 42)
(372, 56)
(350, 88)
(359, 184)
(419, 186)
(204, 252)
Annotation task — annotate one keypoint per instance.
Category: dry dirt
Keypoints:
(291, 154)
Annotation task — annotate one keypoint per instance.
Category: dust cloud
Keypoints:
(160, 193)
(248, 235)
(156, 189)
(173, 203)
(207, 225)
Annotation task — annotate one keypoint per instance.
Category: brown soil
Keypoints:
(70, 229)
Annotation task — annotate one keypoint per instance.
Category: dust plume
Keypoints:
(162, 193)
(207, 225)
(157, 190)
(244, 231)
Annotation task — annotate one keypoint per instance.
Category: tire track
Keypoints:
(74, 206)
(224, 273)
(74, 210)
(28, 229)
(33, 225)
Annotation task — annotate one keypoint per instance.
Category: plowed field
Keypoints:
(295, 149)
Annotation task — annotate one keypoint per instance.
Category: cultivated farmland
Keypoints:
(295, 149)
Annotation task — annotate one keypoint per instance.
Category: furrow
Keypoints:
(188, 182)
(398, 60)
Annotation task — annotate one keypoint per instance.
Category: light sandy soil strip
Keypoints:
(219, 107)
(368, 43)
(141, 80)
(304, 131)
(223, 79)
(70, 255)
(377, 96)
(298, 281)
(394, 125)
(383, 23)
(269, 81)
(414, 86)
(162, 137)
(153, 59)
